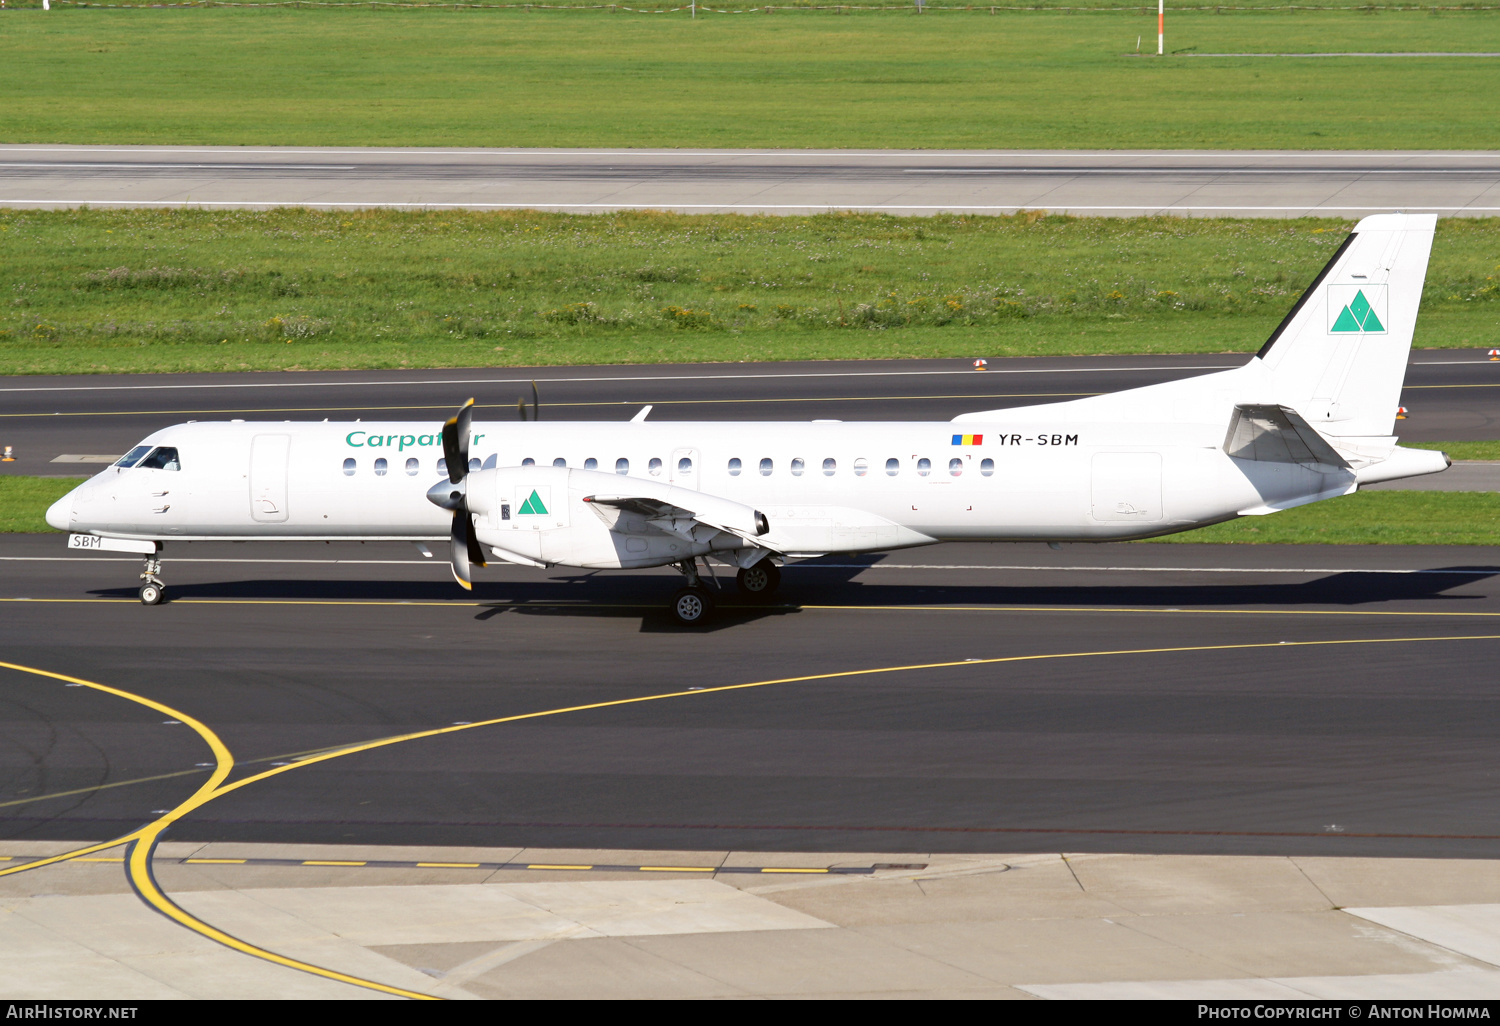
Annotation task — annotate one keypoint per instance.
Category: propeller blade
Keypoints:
(460, 544)
(456, 442)
(536, 403)
(476, 552)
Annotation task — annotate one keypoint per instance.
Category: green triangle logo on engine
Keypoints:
(533, 505)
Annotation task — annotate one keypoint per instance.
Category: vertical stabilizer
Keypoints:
(1339, 357)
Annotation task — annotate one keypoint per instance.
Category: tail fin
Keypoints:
(1339, 357)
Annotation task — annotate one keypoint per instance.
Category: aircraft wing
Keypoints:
(672, 518)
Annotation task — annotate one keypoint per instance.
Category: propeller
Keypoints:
(536, 405)
(463, 548)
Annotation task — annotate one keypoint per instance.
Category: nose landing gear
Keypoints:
(153, 589)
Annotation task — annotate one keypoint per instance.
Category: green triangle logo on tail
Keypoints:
(533, 505)
(1357, 315)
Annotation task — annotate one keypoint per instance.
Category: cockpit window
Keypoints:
(133, 457)
(164, 458)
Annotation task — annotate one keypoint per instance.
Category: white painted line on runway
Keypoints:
(1467, 572)
(90, 166)
(1132, 569)
(964, 371)
(1192, 171)
(955, 208)
(907, 155)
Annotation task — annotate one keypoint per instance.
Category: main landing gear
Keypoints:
(759, 581)
(153, 590)
(693, 604)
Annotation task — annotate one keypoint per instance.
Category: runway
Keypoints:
(1124, 183)
(1450, 395)
(965, 698)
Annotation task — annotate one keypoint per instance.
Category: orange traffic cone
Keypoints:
(9, 457)
(1495, 354)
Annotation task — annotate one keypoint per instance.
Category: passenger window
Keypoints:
(766, 466)
(924, 467)
(381, 467)
(685, 465)
(861, 467)
(955, 466)
(829, 466)
(654, 467)
(164, 458)
(474, 465)
(559, 462)
(349, 467)
(798, 466)
(528, 462)
(591, 464)
(893, 466)
(987, 467)
(133, 457)
(412, 466)
(442, 466)
(622, 466)
(734, 466)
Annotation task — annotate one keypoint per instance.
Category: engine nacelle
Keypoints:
(541, 515)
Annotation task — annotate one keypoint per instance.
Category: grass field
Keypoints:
(1366, 518)
(400, 77)
(24, 501)
(96, 291)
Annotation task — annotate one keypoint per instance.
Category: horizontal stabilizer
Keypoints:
(1278, 434)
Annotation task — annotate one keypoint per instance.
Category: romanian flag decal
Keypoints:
(968, 439)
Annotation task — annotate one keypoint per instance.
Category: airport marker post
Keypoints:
(1161, 27)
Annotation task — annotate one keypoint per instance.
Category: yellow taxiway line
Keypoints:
(142, 842)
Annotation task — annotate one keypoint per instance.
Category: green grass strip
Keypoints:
(191, 290)
(1485, 450)
(1366, 518)
(971, 80)
(24, 501)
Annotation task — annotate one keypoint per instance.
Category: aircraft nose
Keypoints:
(60, 513)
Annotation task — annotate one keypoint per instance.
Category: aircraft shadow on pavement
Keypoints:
(629, 595)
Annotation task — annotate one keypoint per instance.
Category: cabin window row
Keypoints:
(381, 466)
(799, 466)
(766, 466)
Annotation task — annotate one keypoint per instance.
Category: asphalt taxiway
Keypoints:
(1449, 394)
(1188, 182)
(1293, 700)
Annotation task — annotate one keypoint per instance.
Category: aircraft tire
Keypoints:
(152, 594)
(692, 606)
(759, 581)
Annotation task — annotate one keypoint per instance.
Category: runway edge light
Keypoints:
(9, 457)
(1495, 354)
(1401, 413)
(981, 364)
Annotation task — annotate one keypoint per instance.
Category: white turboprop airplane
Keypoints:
(1307, 418)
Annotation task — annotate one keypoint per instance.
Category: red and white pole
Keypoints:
(1161, 27)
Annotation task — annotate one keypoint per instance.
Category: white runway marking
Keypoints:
(956, 208)
(963, 372)
(1466, 572)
